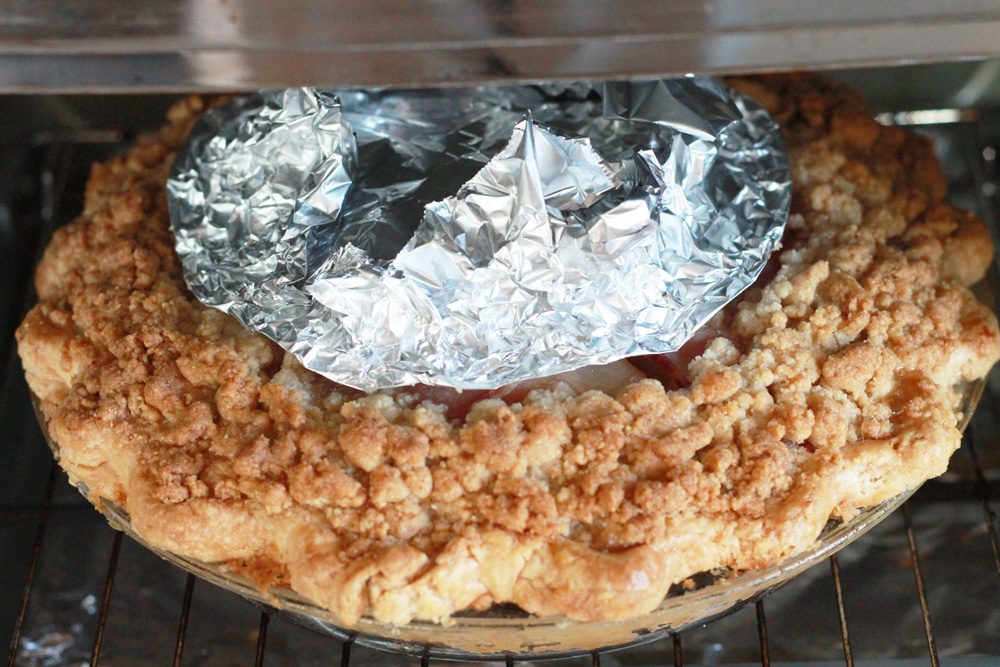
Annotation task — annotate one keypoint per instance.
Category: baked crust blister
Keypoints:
(828, 388)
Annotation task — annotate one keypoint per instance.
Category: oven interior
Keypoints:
(922, 587)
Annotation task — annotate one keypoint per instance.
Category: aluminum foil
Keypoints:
(477, 237)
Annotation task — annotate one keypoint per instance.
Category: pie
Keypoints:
(829, 387)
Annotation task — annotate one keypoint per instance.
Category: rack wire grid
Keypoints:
(922, 587)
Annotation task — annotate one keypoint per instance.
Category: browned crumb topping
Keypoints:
(830, 390)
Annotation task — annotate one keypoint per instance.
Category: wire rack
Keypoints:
(73, 592)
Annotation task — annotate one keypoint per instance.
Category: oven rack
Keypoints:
(73, 592)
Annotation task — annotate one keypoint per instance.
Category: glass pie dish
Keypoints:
(505, 630)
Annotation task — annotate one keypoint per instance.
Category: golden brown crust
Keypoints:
(830, 391)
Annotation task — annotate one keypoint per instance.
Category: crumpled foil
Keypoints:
(478, 237)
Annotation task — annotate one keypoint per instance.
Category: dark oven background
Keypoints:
(922, 587)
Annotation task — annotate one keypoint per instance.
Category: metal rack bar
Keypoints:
(678, 657)
(102, 619)
(43, 522)
(924, 610)
(765, 660)
(595, 659)
(185, 614)
(261, 638)
(983, 491)
(841, 610)
(345, 651)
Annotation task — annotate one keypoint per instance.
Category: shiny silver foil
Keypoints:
(477, 237)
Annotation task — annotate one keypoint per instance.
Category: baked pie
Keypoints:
(828, 387)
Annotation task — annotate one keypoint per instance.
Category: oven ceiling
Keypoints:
(164, 45)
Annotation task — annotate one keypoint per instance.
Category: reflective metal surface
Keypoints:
(100, 45)
(412, 239)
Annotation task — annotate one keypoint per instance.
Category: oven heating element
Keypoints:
(42, 519)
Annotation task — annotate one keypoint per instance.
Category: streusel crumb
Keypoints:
(828, 388)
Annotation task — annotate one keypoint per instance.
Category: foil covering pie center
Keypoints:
(477, 237)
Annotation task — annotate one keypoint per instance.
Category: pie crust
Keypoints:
(830, 387)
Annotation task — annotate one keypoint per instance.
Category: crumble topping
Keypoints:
(829, 387)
